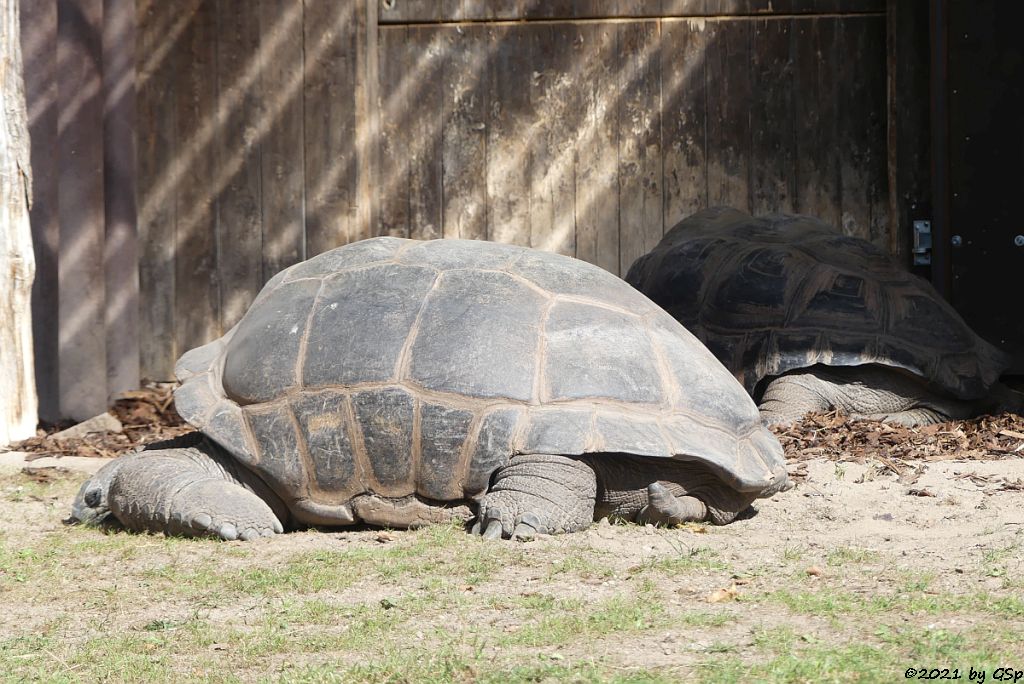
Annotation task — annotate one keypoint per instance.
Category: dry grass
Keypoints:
(617, 603)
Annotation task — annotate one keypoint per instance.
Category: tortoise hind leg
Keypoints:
(538, 494)
(665, 491)
(717, 504)
(187, 492)
(866, 392)
(789, 398)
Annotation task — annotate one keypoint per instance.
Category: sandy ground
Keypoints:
(940, 515)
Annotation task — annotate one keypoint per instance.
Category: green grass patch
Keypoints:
(849, 555)
(788, 657)
(829, 602)
(700, 558)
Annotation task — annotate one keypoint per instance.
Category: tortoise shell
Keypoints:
(778, 293)
(404, 368)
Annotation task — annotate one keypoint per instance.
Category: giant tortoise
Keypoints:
(810, 319)
(397, 382)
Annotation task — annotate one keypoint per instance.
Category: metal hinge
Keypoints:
(922, 243)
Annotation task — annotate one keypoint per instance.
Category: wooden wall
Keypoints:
(268, 134)
(79, 61)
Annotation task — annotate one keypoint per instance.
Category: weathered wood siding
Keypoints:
(271, 130)
(586, 128)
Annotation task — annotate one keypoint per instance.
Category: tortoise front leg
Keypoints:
(177, 491)
(538, 494)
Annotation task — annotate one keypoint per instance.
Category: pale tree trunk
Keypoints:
(18, 403)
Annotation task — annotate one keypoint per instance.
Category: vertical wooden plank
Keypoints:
(684, 118)
(464, 138)
(728, 98)
(880, 220)
(510, 120)
(817, 158)
(597, 201)
(908, 122)
(82, 328)
(773, 160)
(367, 84)
(396, 115)
(637, 8)
(861, 128)
(39, 55)
(452, 10)
(121, 247)
(506, 9)
(197, 294)
(157, 85)
(555, 99)
(426, 88)
(329, 145)
(640, 164)
(408, 11)
(686, 8)
(563, 9)
(19, 403)
(239, 223)
(281, 82)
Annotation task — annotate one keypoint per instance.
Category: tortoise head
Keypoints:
(91, 505)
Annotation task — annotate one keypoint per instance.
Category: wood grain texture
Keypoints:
(367, 107)
(81, 278)
(39, 38)
(815, 120)
(464, 138)
(239, 203)
(197, 291)
(329, 125)
(395, 141)
(450, 11)
(425, 84)
(408, 11)
(121, 259)
(511, 117)
(155, 154)
(729, 116)
(597, 197)
(18, 399)
(281, 152)
(772, 153)
(562, 131)
(555, 100)
(684, 119)
(640, 163)
(908, 122)
(861, 129)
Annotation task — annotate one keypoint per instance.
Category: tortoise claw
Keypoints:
(527, 527)
(666, 509)
(493, 530)
(228, 532)
(202, 521)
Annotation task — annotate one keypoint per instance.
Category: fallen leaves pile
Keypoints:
(904, 451)
(146, 415)
(834, 436)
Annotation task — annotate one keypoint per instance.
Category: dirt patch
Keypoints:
(901, 549)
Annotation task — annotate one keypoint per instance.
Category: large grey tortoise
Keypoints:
(397, 382)
(810, 319)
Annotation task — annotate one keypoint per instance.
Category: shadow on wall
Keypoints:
(267, 136)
